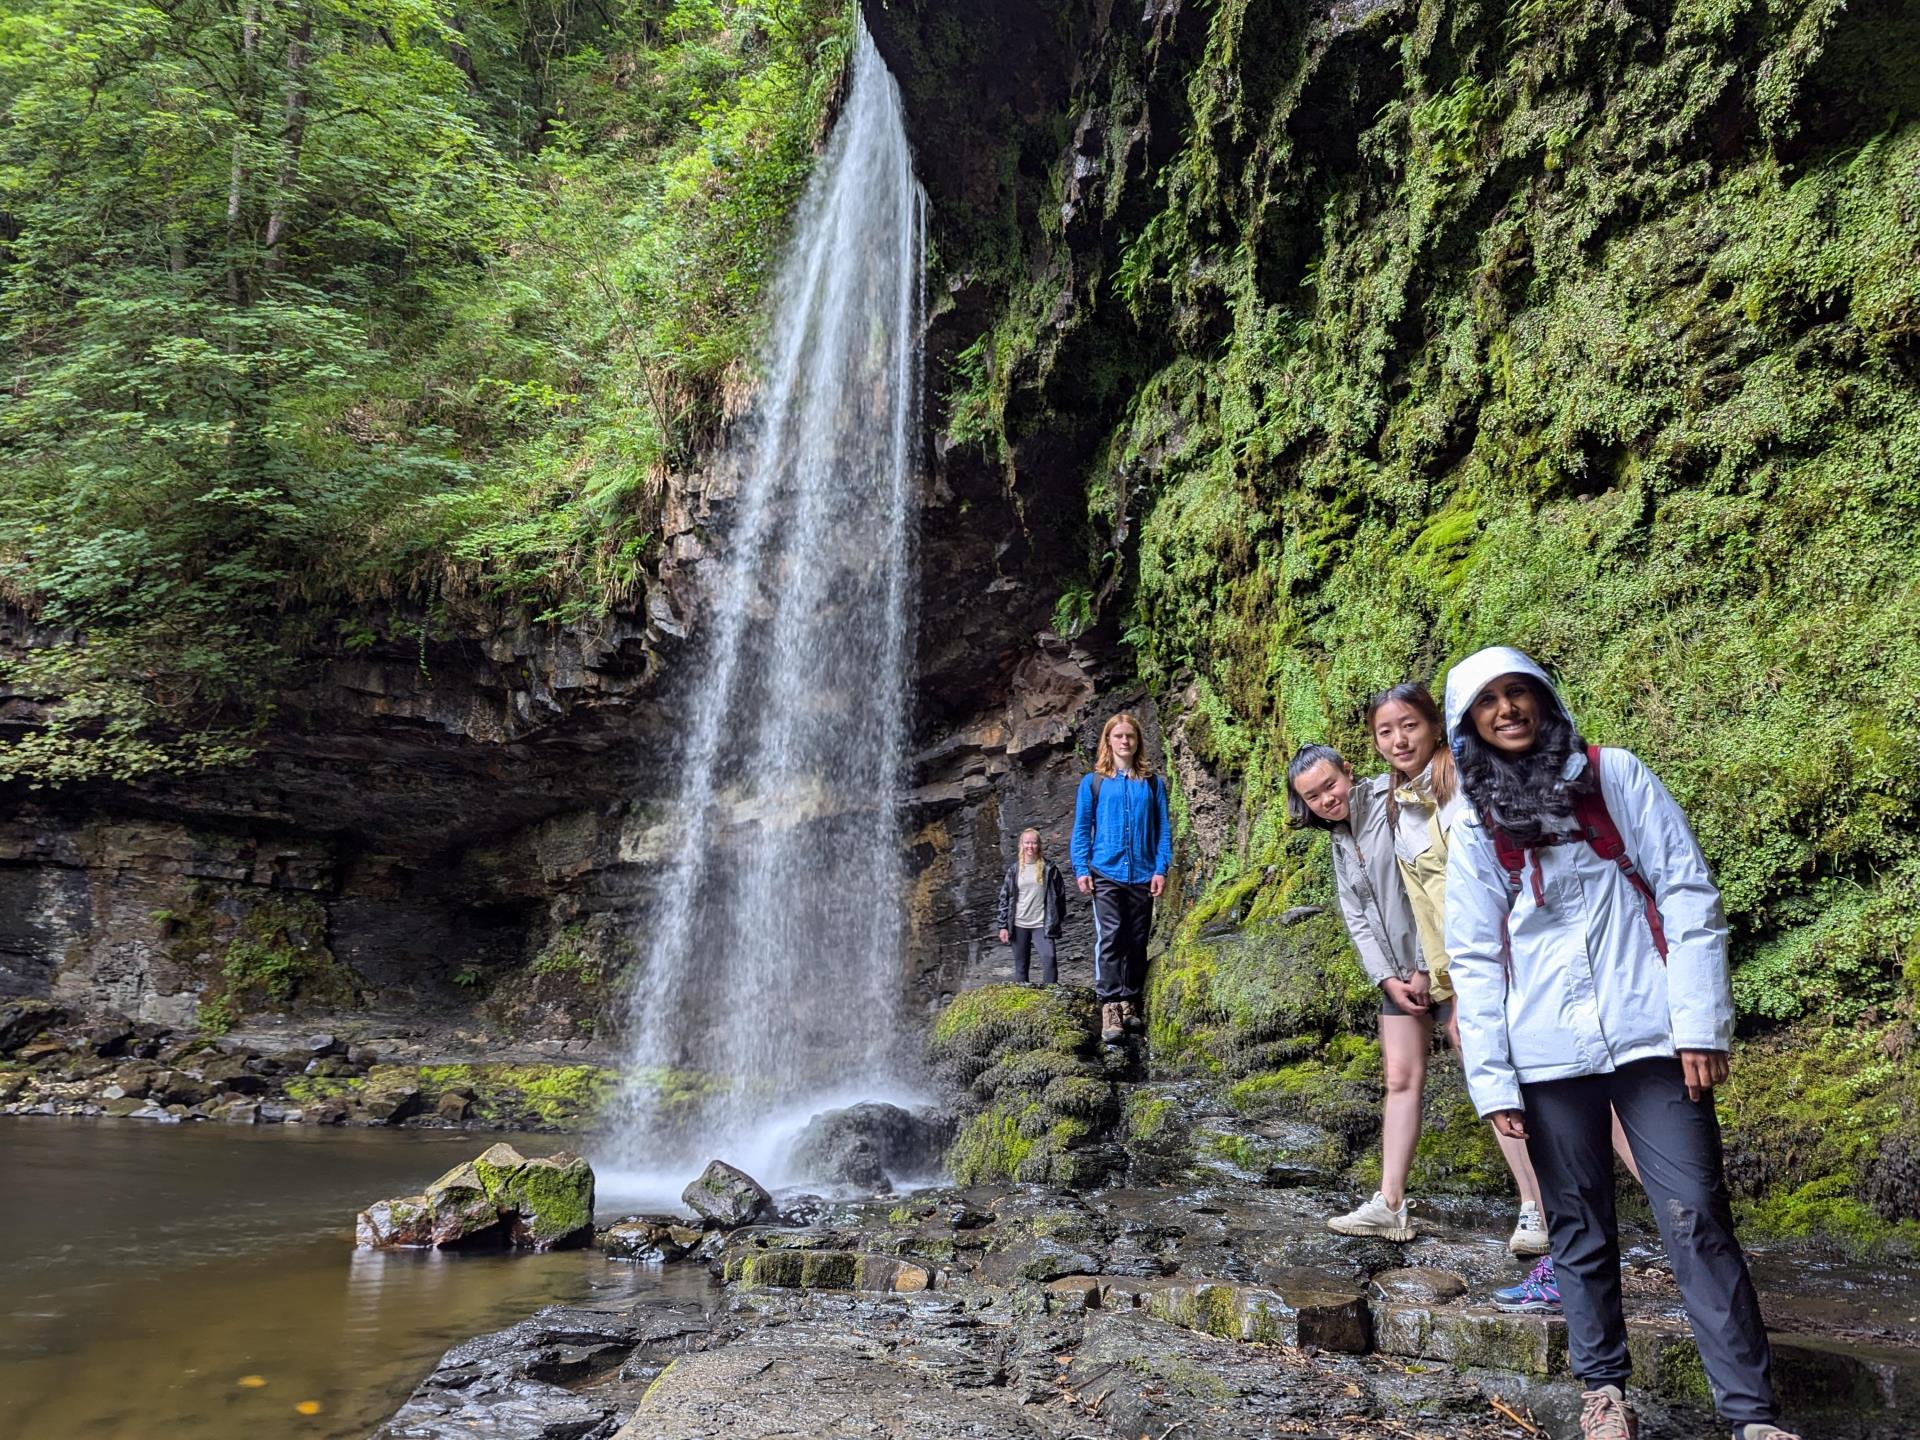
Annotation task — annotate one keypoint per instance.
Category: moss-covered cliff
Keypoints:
(1372, 333)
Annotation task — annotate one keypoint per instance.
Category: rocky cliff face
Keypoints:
(461, 824)
(1342, 339)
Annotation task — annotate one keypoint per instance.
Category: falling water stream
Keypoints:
(772, 973)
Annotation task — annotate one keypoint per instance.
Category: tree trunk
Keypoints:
(237, 175)
(293, 134)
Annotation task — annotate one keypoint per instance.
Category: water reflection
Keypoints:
(147, 1271)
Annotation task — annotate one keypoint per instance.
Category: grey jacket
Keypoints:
(1373, 898)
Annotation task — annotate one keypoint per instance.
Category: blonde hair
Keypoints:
(1039, 851)
(1103, 762)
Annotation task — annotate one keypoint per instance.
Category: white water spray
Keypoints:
(772, 974)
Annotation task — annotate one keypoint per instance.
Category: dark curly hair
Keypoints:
(1528, 796)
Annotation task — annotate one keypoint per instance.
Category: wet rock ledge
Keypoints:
(1216, 1308)
(57, 1061)
(1121, 1258)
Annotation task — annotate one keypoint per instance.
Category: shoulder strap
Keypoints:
(1596, 824)
(1512, 858)
(1098, 781)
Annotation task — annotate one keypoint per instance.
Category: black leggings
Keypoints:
(1122, 915)
(1035, 942)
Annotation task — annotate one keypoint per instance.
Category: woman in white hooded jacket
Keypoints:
(1586, 978)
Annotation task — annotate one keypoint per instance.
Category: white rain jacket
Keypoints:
(1373, 900)
(1576, 986)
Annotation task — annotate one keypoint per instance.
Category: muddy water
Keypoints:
(152, 1276)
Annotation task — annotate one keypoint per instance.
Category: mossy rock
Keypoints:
(1820, 1131)
(1010, 1019)
(1216, 1004)
(549, 1199)
(557, 1097)
(1029, 1062)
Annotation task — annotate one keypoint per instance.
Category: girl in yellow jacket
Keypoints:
(1423, 803)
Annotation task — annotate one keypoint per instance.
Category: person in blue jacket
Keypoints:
(1122, 847)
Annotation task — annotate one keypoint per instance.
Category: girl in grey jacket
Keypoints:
(1322, 792)
(1590, 964)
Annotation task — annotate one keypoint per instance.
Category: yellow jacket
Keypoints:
(1420, 849)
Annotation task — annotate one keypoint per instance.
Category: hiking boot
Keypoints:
(1529, 1232)
(1760, 1430)
(1131, 1017)
(1376, 1217)
(1112, 1029)
(1605, 1415)
(1539, 1293)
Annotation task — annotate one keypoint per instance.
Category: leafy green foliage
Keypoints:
(1567, 351)
(568, 956)
(1585, 328)
(308, 303)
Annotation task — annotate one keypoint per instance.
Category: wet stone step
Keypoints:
(1809, 1374)
(1304, 1312)
(826, 1270)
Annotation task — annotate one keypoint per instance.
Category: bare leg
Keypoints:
(1514, 1152)
(1621, 1148)
(1404, 1040)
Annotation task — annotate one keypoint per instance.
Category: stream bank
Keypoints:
(1127, 1257)
(1215, 1307)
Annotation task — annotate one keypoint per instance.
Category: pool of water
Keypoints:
(199, 1282)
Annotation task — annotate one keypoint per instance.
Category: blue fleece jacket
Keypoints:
(1131, 840)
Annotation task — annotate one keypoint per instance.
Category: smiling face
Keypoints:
(1326, 790)
(1029, 848)
(1506, 714)
(1405, 738)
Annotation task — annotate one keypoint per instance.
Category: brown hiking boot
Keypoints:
(1131, 1017)
(1112, 1028)
(1605, 1415)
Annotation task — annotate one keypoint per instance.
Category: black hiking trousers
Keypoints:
(1036, 944)
(1122, 915)
(1676, 1144)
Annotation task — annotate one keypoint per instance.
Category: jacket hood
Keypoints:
(1472, 675)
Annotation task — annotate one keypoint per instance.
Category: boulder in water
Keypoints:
(870, 1144)
(548, 1201)
(647, 1241)
(394, 1224)
(464, 1215)
(501, 1198)
(725, 1198)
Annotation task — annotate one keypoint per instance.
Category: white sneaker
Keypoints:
(1376, 1217)
(1530, 1232)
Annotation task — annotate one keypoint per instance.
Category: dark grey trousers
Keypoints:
(1676, 1143)
(1038, 945)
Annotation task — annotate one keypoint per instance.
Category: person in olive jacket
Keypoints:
(1033, 906)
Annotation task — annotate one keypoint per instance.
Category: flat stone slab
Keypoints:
(1283, 1313)
(816, 1392)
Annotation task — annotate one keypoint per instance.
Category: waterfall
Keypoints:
(772, 973)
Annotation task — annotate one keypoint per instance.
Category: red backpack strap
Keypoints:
(1590, 809)
(1512, 860)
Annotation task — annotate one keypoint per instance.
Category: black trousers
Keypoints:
(1676, 1143)
(1122, 915)
(1037, 943)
